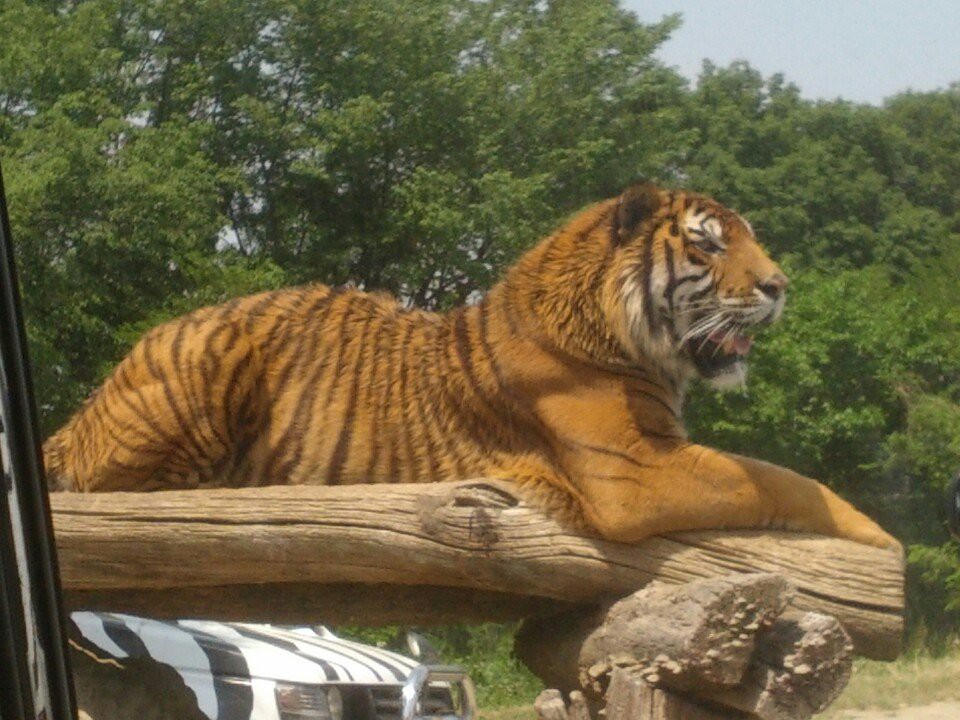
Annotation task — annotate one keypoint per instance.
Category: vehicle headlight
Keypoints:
(300, 702)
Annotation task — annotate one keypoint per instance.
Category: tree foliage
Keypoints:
(165, 154)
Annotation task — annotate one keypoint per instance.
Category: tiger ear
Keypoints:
(637, 203)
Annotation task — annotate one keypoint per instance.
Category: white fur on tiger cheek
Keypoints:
(656, 344)
(732, 378)
(697, 223)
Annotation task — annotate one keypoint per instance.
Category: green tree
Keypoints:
(165, 154)
(165, 158)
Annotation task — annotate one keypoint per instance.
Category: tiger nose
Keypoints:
(773, 286)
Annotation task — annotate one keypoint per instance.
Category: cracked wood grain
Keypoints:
(241, 544)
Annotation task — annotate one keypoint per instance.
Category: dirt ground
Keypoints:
(934, 711)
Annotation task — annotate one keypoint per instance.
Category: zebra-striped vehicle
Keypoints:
(241, 671)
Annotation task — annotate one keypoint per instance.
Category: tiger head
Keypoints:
(687, 283)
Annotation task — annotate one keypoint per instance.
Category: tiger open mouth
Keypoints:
(719, 351)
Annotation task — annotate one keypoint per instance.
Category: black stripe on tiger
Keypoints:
(652, 317)
(338, 457)
(514, 409)
(195, 406)
(382, 339)
(307, 399)
(420, 393)
(671, 275)
(679, 282)
(464, 350)
(702, 293)
(577, 445)
(297, 359)
(439, 443)
(164, 382)
(449, 425)
(175, 448)
(254, 313)
(411, 463)
(104, 407)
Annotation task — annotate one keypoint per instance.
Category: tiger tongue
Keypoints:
(739, 344)
(742, 344)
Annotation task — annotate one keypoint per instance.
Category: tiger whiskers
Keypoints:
(735, 328)
(698, 306)
(704, 326)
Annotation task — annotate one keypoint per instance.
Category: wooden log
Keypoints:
(630, 697)
(679, 636)
(718, 642)
(801, 665)
(474, 535)
(549, 705)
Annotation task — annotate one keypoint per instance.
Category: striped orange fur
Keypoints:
(567, 378)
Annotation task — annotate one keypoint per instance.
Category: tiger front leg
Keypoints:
(697, 488)
(540, 484)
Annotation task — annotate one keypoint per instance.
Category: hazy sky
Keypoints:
(862, 50)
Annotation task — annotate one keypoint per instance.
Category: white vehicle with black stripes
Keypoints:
(241, 671)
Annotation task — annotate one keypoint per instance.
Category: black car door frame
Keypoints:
(35, 679)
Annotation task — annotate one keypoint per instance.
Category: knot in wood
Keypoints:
(465, 516)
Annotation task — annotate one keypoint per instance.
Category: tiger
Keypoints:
(567, 379)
